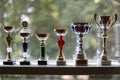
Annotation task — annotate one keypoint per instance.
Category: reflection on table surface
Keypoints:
(59, 77)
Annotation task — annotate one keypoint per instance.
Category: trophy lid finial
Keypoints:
(24, 23)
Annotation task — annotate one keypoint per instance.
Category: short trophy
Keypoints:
(8, 29)
(81, 28)
(104, 23)
(25, 34)
(42, 37)
(60, 58)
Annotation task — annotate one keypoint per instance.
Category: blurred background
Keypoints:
(44, 16)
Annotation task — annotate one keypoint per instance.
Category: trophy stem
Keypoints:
(80, 55)
(104, 59)
(105, 38)
(81, 61)
(61, 42)
(104, 43)
(42, 60)
(81, 43)
(42, 50)
(9, 56)
(61, 58)
(25, 48)
(9, 39)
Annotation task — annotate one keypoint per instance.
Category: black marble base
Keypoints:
(42, 62)
(25, 63)
(8, 62)
(61, 63)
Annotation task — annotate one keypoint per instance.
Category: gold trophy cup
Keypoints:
(9, 30)
(25, 34)
(104, 23)
(61, 32)
(81, 28)
(42, 37)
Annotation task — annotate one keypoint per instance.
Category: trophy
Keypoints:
(8, 29)
(42, 38)
(60, 58)
(104, 23)
(81, 28)
(25, 34)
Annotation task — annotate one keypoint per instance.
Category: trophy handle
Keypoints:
(115, 16)
(95, 16)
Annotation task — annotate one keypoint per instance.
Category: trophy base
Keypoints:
(8, 62)
(25, 63)
(81, 62)
(42, 62)
(61, 63)
(105, 62)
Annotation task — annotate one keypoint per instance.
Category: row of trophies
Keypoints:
(80, 28)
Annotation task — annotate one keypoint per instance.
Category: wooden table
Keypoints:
(52, 69)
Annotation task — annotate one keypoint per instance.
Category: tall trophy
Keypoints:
(104, 23)
(8, 29)
(81, 28)
(61, 32)
(25, 34)
(42, 38)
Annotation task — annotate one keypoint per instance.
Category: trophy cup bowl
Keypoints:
(25, 35)
(8, 29)
(42, 37)
(104, 23)
(61, 32)
(81, 28)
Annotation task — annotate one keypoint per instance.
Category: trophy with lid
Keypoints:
(61, 32)
(25, 34)
(81, 28)
(9, 30)
(42, 37)
(104, 23)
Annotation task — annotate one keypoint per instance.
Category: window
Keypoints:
(46, 15)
